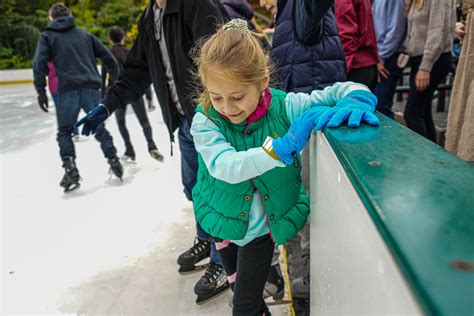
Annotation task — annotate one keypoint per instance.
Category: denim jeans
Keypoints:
(67, 110)
(189, 169)
(385, 89)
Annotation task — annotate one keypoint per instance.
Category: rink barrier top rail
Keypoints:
(421, 199)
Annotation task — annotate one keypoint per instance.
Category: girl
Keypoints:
(248, 193)
(117, 38)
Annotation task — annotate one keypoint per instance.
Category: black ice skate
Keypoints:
(212, 284)
(188, 260)
(155, 154)
(71, 178)
(116, 167)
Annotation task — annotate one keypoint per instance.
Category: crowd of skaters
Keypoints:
(360, 41)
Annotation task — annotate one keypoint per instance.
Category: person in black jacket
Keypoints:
(117, 38)
(167, 31)
(73, 53)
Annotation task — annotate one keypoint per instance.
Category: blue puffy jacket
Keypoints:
(303, 68)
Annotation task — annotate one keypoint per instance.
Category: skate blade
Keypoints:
(278, 302)
(202, 301)
(72, 188)
(185, 270)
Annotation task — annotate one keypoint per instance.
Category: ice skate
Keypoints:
(155, 153)
(189, 260)
(116, 167)
(71, 178)
(126, 159)
(212, 284)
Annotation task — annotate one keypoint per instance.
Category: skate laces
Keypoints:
(199, 246)
(213, 272)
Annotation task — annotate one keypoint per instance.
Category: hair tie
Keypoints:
(236, 24)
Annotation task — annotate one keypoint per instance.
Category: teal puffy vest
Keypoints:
(222, 209)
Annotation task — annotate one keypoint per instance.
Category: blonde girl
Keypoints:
(248, 136)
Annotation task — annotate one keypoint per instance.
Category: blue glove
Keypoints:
(94, 118)
(356, 107)
(288, 146)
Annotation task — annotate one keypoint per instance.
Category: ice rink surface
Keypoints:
(109, 248)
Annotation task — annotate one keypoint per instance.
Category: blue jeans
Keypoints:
(67, 110)
(385, 89)
(189, 169)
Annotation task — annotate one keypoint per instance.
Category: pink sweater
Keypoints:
(53, 81)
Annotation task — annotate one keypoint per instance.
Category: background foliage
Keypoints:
(22, 22)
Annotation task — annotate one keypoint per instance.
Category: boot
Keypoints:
(116, 167)
(71, 178)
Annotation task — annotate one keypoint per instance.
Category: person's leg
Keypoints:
(120, 116)
(417, 102)
(89, 98)
(366, 76)
(142, 116)
(253, 265)
(418, 115)
(385, 89)
(189, 167)
(67, 111)
(438, 74)
(228, 254)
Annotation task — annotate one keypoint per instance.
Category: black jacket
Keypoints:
(73, 52)
(184, 22)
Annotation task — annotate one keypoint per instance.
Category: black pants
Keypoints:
(366, 76)
(140, 111)
(418, 114)
(247, 269)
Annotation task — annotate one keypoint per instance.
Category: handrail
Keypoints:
(421, 199)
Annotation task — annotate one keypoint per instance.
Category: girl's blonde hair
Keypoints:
(235, 54)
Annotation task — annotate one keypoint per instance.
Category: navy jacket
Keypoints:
(239, 9)
(73, 52)
(304, 68)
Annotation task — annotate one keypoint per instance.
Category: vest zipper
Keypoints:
(263, 206)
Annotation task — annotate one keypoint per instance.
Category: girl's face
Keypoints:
(233, 100)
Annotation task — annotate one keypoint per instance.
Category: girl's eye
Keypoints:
(237, 98)
(216, 99)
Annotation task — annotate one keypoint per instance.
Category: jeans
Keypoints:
(189, 168)
(247, 269)
(67, 111)
(385, 89)
(141, 113)
(418, 114)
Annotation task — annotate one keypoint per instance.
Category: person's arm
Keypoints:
(438, 25)
(308, 20)
(106, 57)
(396, 28)
(222, 160)
(347, 24)
(297, 103)
(40, 63)
(205, 16)
(134, 78)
